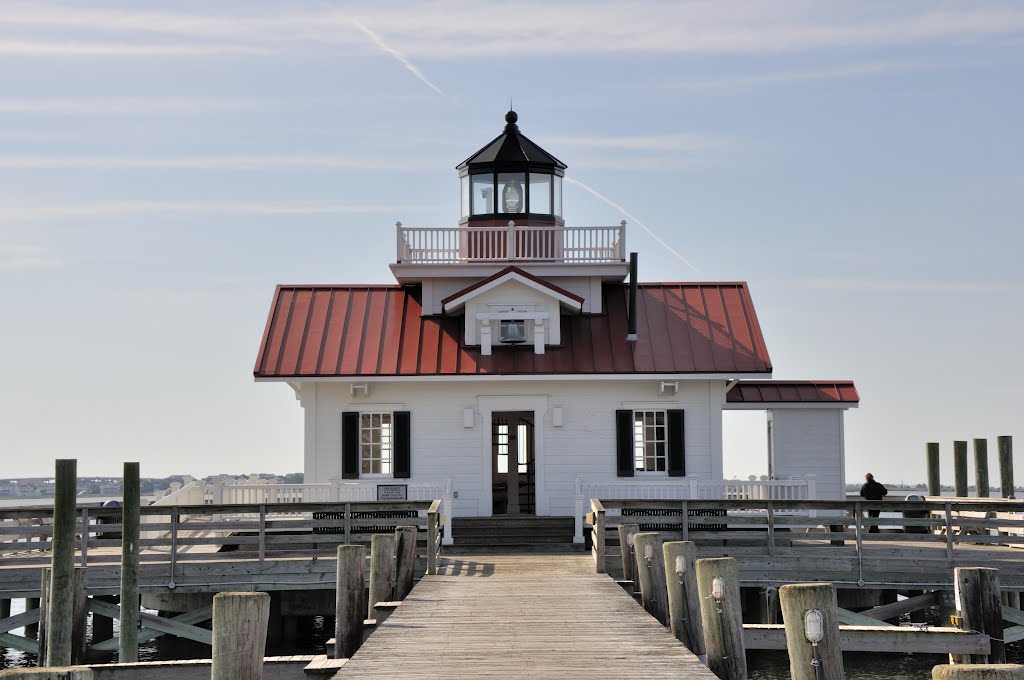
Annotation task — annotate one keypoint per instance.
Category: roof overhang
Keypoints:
(761, 395)
(458, 299)
(513, 377)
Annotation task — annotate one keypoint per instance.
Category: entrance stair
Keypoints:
(512, 532)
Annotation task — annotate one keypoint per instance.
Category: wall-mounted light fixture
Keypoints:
(557, 416)
(667, 387)
(814, 630)
(468, 417)
(680, 565)
(718, 592)
(355, 388)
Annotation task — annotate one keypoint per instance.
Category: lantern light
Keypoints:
(629, 538)
(814, 626)
(718, 588)
(648, 552)
(680, 565)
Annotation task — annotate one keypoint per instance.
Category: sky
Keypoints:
(164, 165)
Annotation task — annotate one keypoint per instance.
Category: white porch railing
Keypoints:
(690, 488)
(247, 492)
(454, 245)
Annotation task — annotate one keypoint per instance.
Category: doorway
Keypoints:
(513, 483)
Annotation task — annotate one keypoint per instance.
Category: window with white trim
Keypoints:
(376, 443)
(650, 441)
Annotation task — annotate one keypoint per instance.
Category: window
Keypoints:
(540, 193)
(502, 441)
(650, 441)
(482, 194)
(376, 443)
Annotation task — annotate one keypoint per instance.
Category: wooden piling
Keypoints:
(804, 657)
(60, 613)
(5, 608)
(32, 629)
(405, 563)
(128, 637)
(80, 616)
(349, 610)
(1006, 466)
(382, 571)
(650, 568)
(239, 635)
(1003, 671)
(934, 485)
(960, 469)
(981, 468)
(45, 576)
(626, 533)
(977, 597)
(102, 626)
(723, 619)
(683, 599)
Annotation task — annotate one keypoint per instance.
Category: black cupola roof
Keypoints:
(511, 151)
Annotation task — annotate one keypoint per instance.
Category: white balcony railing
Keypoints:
(514, 243)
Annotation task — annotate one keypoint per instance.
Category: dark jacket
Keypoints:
(873, 491)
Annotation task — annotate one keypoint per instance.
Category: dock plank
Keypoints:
(521, 616)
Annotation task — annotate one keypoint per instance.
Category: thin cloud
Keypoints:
(631, 216)
(22, 257)
(252, 162)
(402, 59)
(33, 213)
(134, 105)
(664, 143)
(894, 286)
(44, 48)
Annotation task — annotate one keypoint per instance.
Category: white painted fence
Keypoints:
(690, 488)
(251, 492)
(453, 245)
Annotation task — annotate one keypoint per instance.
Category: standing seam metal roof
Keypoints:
(359, 331)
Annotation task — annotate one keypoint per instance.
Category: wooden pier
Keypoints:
(541, 616)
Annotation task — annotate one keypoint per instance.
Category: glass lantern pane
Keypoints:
(512, 192)
(540, 193)
(464, 192)
(558, 195)
(483, 194)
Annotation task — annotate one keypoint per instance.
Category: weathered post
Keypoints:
(349, 610)
(60, 613)
(650, 568)
(32, 629)
(934, 485)
(1002, 671)
(5, 608)
(382, 571)
(626, 534)
(239, 635)
(405, 566)
(722, 614)
(981, 467)
(960, 469)
(812, 631)
(128, 637)
(45, 576)
(80, 617)
(683, 600)
(1006, 466)
(977, 600)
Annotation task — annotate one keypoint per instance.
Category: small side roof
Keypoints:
(793, 393)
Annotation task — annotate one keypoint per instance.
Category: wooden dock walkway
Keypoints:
(521, 616)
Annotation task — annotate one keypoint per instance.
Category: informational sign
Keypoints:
(392, 492)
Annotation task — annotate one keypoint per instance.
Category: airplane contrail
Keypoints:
(404, 60)
(632, 217)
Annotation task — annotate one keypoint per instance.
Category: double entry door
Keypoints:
(513, 490)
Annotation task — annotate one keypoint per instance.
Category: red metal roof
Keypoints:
(359, 331)
(793, 391)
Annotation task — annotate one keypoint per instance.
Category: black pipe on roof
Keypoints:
(632, 337)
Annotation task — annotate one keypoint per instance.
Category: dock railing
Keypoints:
(769, 528)
(690, 488)
(253, 534)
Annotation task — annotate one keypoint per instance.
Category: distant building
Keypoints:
(513, 357)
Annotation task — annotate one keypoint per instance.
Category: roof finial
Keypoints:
(510, 119)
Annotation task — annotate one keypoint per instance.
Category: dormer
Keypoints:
(511, 214)
(512, 307)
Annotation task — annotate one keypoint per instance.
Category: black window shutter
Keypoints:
(676, 444)
(624, 443)
(350, 445)
(403, 445)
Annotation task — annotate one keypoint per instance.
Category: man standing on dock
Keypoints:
(872, 491)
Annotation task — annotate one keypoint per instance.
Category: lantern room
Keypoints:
(511, 178)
